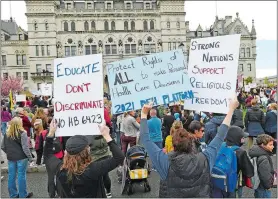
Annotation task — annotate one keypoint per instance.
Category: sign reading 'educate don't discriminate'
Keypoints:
(159, 78)
(212, 68)
(78, 107)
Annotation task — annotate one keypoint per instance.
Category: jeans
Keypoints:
(262, 193)
(218, 193)
(18, 168)
(239, 192)
(4, 128)
(118, 138)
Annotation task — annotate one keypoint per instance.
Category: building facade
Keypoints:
(228, 26)
(14, 52)
(270, 80)
(119, 29)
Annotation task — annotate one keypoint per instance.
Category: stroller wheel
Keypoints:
(147, 187)
(130, 190)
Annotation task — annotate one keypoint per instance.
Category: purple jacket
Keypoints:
(5, 116)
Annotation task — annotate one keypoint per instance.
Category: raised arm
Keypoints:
(214, 146)
(158, 157)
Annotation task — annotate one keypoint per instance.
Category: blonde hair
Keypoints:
(15, 128)
(273, 106)
(40, 127)
(40, 115)
(175, 126)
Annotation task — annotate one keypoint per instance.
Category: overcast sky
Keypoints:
(203, 12)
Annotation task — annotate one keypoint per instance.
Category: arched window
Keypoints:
(152, 25)
(93, 25)
(113, 25)
(145, 25)
(106, 25)
(110, 46)
(248, 54)
(168, 24)
(126, 25)
(66, 26)
(86, 26)
(46, 26)
(149, 45)
(72, 26)
(130, 45)
(35, 26)
(132, 25)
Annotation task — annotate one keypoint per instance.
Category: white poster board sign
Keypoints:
(212, 68)
(253, 85)
(161, 78)
(46, 89)
(20, 98)
(247, 88)
(78, 83)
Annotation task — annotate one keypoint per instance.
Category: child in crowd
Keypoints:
(263, 151)
(169, 142)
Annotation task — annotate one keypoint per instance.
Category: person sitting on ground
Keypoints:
(77, 176)
(179, 177)
(263, 151)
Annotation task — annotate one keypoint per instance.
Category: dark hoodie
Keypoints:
(211, 128)
(233, 138)
(254, 121)
(265, 166)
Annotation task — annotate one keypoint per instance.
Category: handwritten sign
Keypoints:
(46, 89)
(78, 92)
(212, 68)
(20, 98)
(160, 78)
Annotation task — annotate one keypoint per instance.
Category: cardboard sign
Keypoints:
(161, 78)
(20, 98)
(78, 83)
(213, 64)
(46, 89)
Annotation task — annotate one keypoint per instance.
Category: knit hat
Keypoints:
(177, 116)
(76, 144)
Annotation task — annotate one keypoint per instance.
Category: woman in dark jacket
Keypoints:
(271, 123)
(78, 176)
(186, 119)
(183, 173)
(254, 122)
(237, 119)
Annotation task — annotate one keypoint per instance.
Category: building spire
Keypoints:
(253, 31)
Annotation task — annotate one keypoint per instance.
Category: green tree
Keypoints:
(248, 80)
(266, 82)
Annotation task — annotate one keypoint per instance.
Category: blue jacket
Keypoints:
(271, 122)
(155, 126)
(211, 128)
(161, 160)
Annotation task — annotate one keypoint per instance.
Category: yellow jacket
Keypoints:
(169, 144)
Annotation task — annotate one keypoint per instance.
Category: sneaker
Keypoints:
(154, 170)
(2, 177)
(29, 195)
(109, 195)
(33, 164)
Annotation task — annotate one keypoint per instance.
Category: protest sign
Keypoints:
(161, 78)
(20, 98)
(253, 85)
(78, 83)
(212, 68)
(247, 88)
(46, 89)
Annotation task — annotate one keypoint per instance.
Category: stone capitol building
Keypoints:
(119, 29)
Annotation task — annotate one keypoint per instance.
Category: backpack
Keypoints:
(224, 172)
(255, 179)
(57, 142)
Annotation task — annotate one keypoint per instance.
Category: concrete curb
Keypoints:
(39, 169)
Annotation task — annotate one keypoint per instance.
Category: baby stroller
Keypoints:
(135, 170)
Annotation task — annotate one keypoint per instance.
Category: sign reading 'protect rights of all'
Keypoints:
(160, 78)
(78, 95)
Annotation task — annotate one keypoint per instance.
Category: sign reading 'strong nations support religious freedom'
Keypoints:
(212, 68)
(78, 92)
(161, 78)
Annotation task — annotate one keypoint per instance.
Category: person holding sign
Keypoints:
(186, 180)
(77, 175)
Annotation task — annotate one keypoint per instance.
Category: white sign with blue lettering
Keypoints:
(161, 78)
(78, 83)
